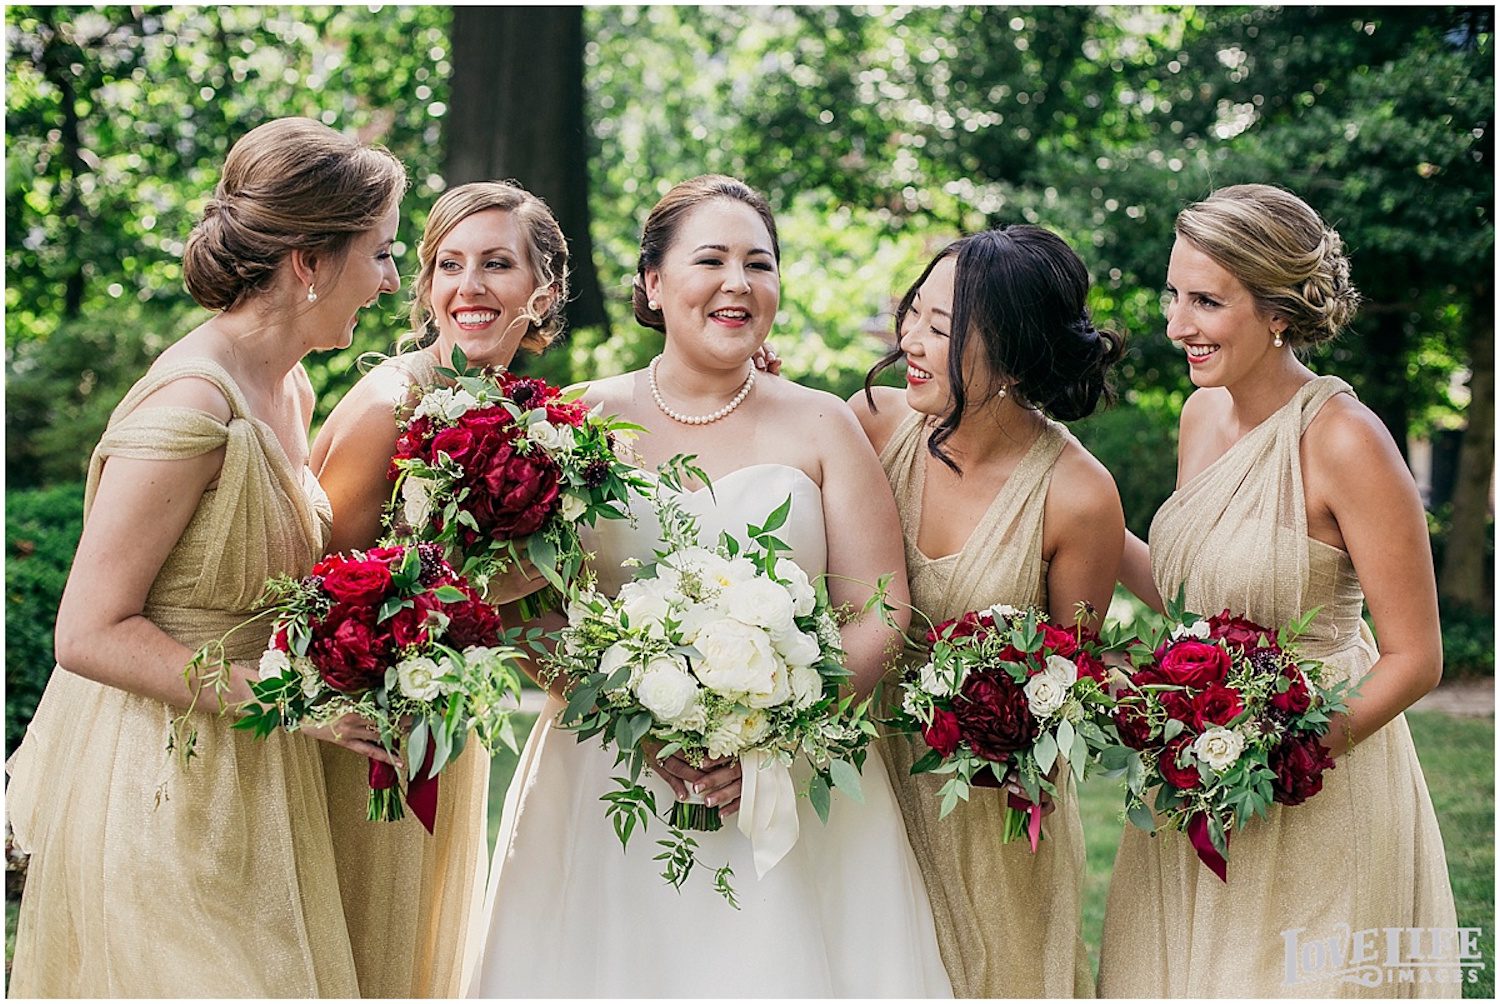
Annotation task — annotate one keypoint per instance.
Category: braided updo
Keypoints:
(1281, 251)
(289, 184)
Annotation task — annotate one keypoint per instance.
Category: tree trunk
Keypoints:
(57, 58)
(516, 111)
(1466, 563)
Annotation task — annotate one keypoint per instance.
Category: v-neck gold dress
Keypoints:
(1007, 920)
(1364, 854)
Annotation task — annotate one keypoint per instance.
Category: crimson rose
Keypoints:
(358, 583)
(942, 735)
(993, 713)
(1060, 640)
(1295, 699)
(1195, 664)
(1299, 764)
(1185, 778)
(1216, 705)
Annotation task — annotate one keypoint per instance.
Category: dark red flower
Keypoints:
(1062, 641)
(1216, 705)
(350, 650)
(413, 625)
(472, 621)
(1134, 729)
(966, 626)
(1090, 666)
(573, 414)
(1296, 698)
(1185, 778)
(409, 444)
(358, 582)
(994, 717)
(943, 734)
(514, 493)
(1242, 633)
(457, 442)
(1299, 763)
(1191, 663)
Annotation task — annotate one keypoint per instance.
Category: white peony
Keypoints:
(273, 663)
(780, 692)
(736, 658)
(1198, 629)
(807, 686)
(573, 507)
(1219, 748)
(693, 618)
(1045, 693)
(798, 648)
(613, 658)
(416, 501)
(418, 678)
(552, 438)
(1002, 612)
(644, 602)
(939, 684)
(666, 689)
(736, 731)
(712, 570)
(760, 602)
(804, 597)
(1065, 671)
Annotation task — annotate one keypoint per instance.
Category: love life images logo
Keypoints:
(1379, 956)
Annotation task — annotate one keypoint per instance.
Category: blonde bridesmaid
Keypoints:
(493, 280)
(150, 878)
(998, 504)
(1291, 495)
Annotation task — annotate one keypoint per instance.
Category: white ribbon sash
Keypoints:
(768, 808)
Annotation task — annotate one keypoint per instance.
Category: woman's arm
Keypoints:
(1135, 572)
(1353, 472)
(1085, 527)
(352, 454)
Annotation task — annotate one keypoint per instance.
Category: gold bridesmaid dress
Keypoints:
(410, 898)
(1008, 921)
(1363, 854)
(149, 879)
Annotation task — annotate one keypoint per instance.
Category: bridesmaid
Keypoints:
(996, 336)
(149, 878)
(1291, 495)
(493, 280)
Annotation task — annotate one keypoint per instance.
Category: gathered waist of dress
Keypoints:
(197, 626)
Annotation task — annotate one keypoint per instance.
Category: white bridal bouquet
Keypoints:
(719, 651)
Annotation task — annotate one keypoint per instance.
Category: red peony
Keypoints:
(349, 650)
(412, 625)
(1195, 664)
(994, 716)
(943, 734)
(1216, 705)
(1185, 778)
(1243, 634)
(1091, 667)
(358, 583)
(514, 493)
(1135, 730)
(966, 626)
(472, 621)
(1296, 698)
(1299, 763)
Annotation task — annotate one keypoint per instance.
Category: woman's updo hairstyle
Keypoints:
(289, 184)
(1280, 250)
(546, 254)
(666, 219)
(1022, 292)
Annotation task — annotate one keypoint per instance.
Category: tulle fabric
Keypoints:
(1008, 921)
(1363, 854)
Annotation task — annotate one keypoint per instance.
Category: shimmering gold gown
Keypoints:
(148, 879)
(410, 898)
(1007, 920)
(1365, 853)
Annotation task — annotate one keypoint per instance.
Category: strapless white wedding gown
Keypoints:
(571, 914)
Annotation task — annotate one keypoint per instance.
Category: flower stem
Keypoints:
(696, 816)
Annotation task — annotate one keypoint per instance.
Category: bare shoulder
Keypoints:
(879, 419)
(614, 392)
(1088, 491)
(364, 420)
(822, 416)
(1346, 440)
(1203, 407)
(195, 392)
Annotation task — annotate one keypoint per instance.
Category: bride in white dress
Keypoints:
(845, 912)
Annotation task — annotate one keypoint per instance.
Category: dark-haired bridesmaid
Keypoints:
(999, 505)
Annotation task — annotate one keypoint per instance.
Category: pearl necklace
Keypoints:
(678, 416)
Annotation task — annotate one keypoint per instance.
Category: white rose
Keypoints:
(798, 648)
(573, 507)
(760, 602)
(1219, 748)
(1198, 629)
(613, 658)
(552, 438)
(1002, 612)
(416, 501)
(939, 684)
(1064, 671)
(433, 403)
(736, 731)
(807, 686)
(736, 658)
(1044, 695)
(804, 597)
(274, 663)
(312, 680)
(666, 689)
(418, 678)
(644, 603)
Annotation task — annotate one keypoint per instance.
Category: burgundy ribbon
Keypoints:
(421, 792)
(1034, 817)
(1197, 832)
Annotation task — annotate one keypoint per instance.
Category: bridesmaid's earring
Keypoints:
(1000, 394)
(1276, 339)
(312, 297)
(653, 305)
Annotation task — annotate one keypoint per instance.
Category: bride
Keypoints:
(844, 913)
